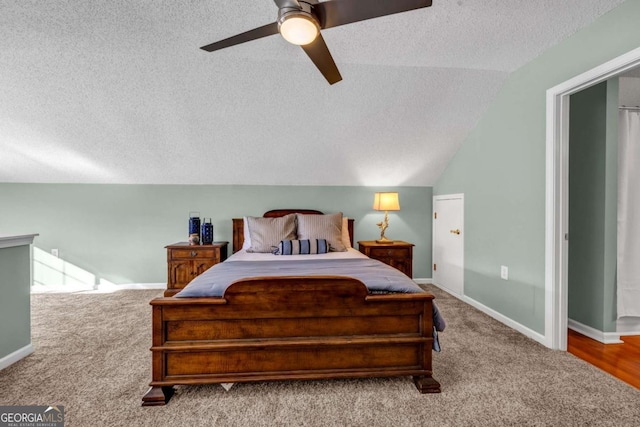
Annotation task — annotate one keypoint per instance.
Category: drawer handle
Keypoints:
(194, 253)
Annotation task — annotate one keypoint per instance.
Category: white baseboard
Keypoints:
(12, 358)
(423, 281)
(588, 331)
(101, 288)
(111, 287)
(499, 317)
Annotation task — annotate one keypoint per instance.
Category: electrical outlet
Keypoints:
(55, 252)
(504, 272)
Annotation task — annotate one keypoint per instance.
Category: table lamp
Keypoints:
(385, 202)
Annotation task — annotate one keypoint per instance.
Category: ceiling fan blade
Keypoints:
(320, 55)
(339, 12)
(256, 33)
(287, 3)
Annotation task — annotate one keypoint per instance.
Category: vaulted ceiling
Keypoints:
(119, 91)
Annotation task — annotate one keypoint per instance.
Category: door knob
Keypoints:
(456, 231)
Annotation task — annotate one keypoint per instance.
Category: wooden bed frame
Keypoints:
(290, 328)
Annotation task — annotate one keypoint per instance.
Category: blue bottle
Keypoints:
(194, 225)
(207, 232)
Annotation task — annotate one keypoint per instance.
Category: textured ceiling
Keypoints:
(119, 91)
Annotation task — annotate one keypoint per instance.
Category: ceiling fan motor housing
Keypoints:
(304, 9)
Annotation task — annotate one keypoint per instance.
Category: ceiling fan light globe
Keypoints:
(299, 29)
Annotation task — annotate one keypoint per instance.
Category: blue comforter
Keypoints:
(377, 276)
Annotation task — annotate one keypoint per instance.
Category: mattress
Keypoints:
(377, 276)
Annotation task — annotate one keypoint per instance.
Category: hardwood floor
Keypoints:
(620, 360)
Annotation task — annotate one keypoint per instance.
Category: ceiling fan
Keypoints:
(300, 22)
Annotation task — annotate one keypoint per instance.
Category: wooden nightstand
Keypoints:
(185, 262)
(398, 254)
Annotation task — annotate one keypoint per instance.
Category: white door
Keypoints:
(448, 243)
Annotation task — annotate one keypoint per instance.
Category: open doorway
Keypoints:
(558, 269)
(557, 191)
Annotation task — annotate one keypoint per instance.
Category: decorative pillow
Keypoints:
(346, 240)
(302, 247)
(246, 244)
(265, 233)
(328, 227)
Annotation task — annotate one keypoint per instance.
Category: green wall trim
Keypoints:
(609, 301)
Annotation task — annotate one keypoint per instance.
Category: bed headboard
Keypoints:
(238, 224)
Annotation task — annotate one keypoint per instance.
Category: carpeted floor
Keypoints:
(92, 356)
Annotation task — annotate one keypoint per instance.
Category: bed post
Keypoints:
(157, 395)
(426, 383)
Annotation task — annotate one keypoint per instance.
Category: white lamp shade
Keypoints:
(299, 30)
(386, 202)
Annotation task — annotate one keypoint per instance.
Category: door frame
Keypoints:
(557, 191)
(433, 231)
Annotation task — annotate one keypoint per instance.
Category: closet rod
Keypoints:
(629, 108)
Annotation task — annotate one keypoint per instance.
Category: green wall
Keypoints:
(15, 310)
(593, 206)
(610, 302)
(501, 170)
(117, 233)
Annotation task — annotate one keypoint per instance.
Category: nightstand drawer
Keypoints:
(396, 253)
(193, 253)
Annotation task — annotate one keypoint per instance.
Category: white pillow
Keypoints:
(328, 227)
(346, 240)
(266, 233)
(247, 237)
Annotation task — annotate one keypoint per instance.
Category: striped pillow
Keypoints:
(327, 227)
(302, 247)
(265, 233)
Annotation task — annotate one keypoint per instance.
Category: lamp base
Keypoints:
(385, 241)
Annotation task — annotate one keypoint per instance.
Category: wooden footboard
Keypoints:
(290, 328)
